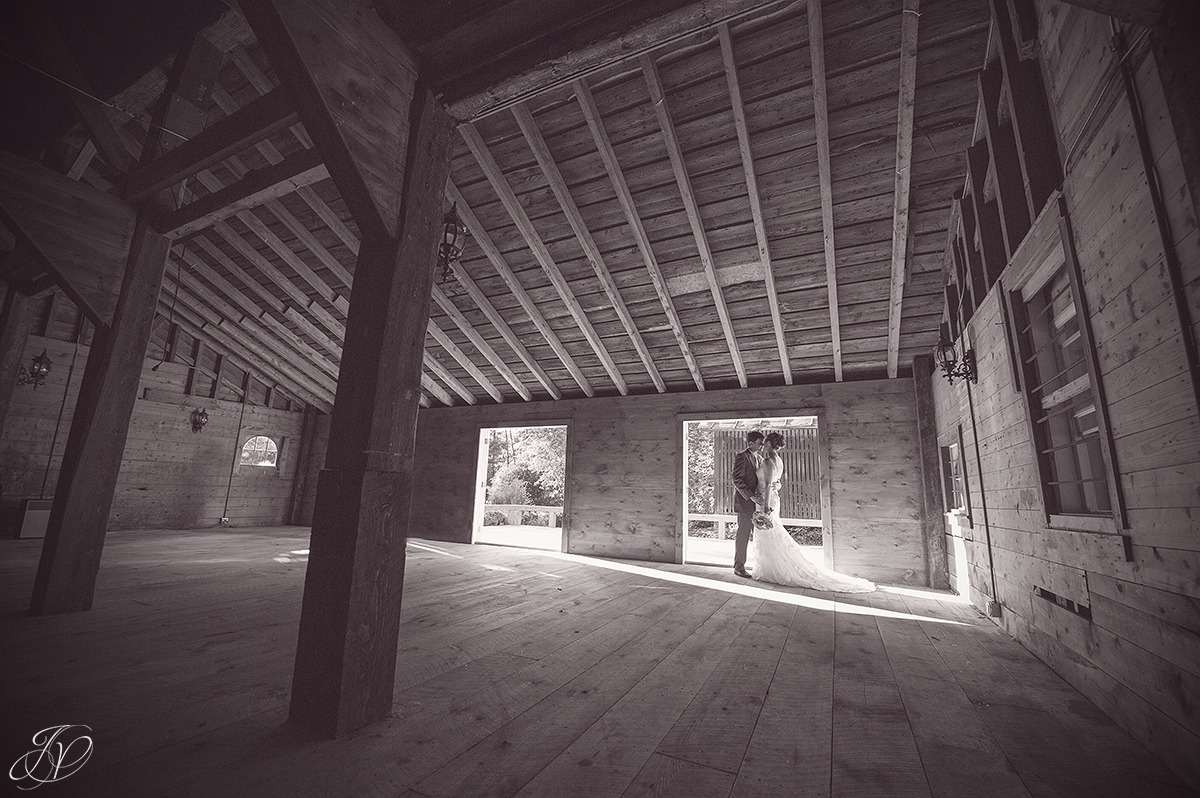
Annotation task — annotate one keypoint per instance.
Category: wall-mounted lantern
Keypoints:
(199, 419)
(947, 358)
(454, 234)
(39, 369)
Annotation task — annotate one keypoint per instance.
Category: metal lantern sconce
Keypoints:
(947, 358)
(199, 419)
(454, 235)
(39, 369)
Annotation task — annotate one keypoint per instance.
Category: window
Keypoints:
(1068, 422)
(954, 479)
(260, 451)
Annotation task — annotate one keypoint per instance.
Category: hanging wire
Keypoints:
(61, 407)
(91, 96)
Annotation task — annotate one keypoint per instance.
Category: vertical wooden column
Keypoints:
(16, 324)
(350, 621)
(933, 511)
(66, 576)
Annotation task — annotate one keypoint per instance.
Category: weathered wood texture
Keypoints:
(79, 234)
(169, 476)
(624, 477)
(1137, 657)
(544, 676)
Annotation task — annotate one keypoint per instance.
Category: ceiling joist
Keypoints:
(675, 153)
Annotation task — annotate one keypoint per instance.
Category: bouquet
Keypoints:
(762, 520)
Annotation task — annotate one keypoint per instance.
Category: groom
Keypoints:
(745, 484)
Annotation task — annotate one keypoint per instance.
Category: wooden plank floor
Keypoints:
(524, 673)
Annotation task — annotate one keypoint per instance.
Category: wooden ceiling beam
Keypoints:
(259, 80)
(533, 137)
(256, 121)
(266, 297)
(272, 155)
(247, 342)
(756, 211)
(464, 325)
(562, 59)
(258, 187)
(265, 234)
(658, 99)
(595, 123)
(516, 212)
(82, 160)
(904, 133)
(816, 51)
(438, 391)
(479, 236)
(440, 336)
(301, 360)
(445, 376)
(295, 316)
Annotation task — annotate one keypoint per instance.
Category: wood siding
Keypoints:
(1137, 656)
(170, 477)
(624, 469)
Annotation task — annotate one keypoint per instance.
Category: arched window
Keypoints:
(260, 451)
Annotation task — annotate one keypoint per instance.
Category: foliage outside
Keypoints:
(527, 466)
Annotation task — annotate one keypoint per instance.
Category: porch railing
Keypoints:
(515, 513)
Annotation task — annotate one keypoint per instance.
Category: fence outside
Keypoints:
(800, 492)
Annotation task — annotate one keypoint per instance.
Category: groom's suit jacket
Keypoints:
(745, 476)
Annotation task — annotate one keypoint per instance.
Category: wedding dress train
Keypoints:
(780, 560)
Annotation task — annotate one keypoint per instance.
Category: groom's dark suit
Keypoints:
(745, 483)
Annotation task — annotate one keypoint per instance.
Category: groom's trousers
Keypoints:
(745, 520)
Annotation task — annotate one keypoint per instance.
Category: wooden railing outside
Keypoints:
(723, 521)
(514, 513)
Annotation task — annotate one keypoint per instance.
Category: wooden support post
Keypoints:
(933, 511)
(1173, 40)
(350, 621)
(304, 469)
(16, 323)
(66, 576)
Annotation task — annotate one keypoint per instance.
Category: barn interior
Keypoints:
(271, 269)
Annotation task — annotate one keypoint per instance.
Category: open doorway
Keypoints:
(709, 518)
(521, 487)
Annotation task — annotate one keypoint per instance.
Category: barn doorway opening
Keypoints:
(709, 518)
(521, 490)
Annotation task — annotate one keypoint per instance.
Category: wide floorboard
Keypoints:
(531, 673)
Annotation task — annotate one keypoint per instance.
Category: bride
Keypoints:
(779, 559)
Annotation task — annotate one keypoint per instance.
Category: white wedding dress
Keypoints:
(779, 559)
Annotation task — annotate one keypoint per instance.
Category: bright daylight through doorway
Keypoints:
(520, 487)
(709, 519)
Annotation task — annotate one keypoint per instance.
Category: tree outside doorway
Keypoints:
(523, 486)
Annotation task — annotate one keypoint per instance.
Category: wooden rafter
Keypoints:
(591, 113)
(756, 211)
(904, 133)
(675, 153)
(258, 187)
(460, 356)
(438, 391)
(508, 199)
(479, 236)
(483, 346)
(558, 186)
(445, 376)
(254, 122)
(816, 50)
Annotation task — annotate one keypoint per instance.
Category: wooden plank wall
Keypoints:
(1138, 657)
(169, 476)
(624, 469)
